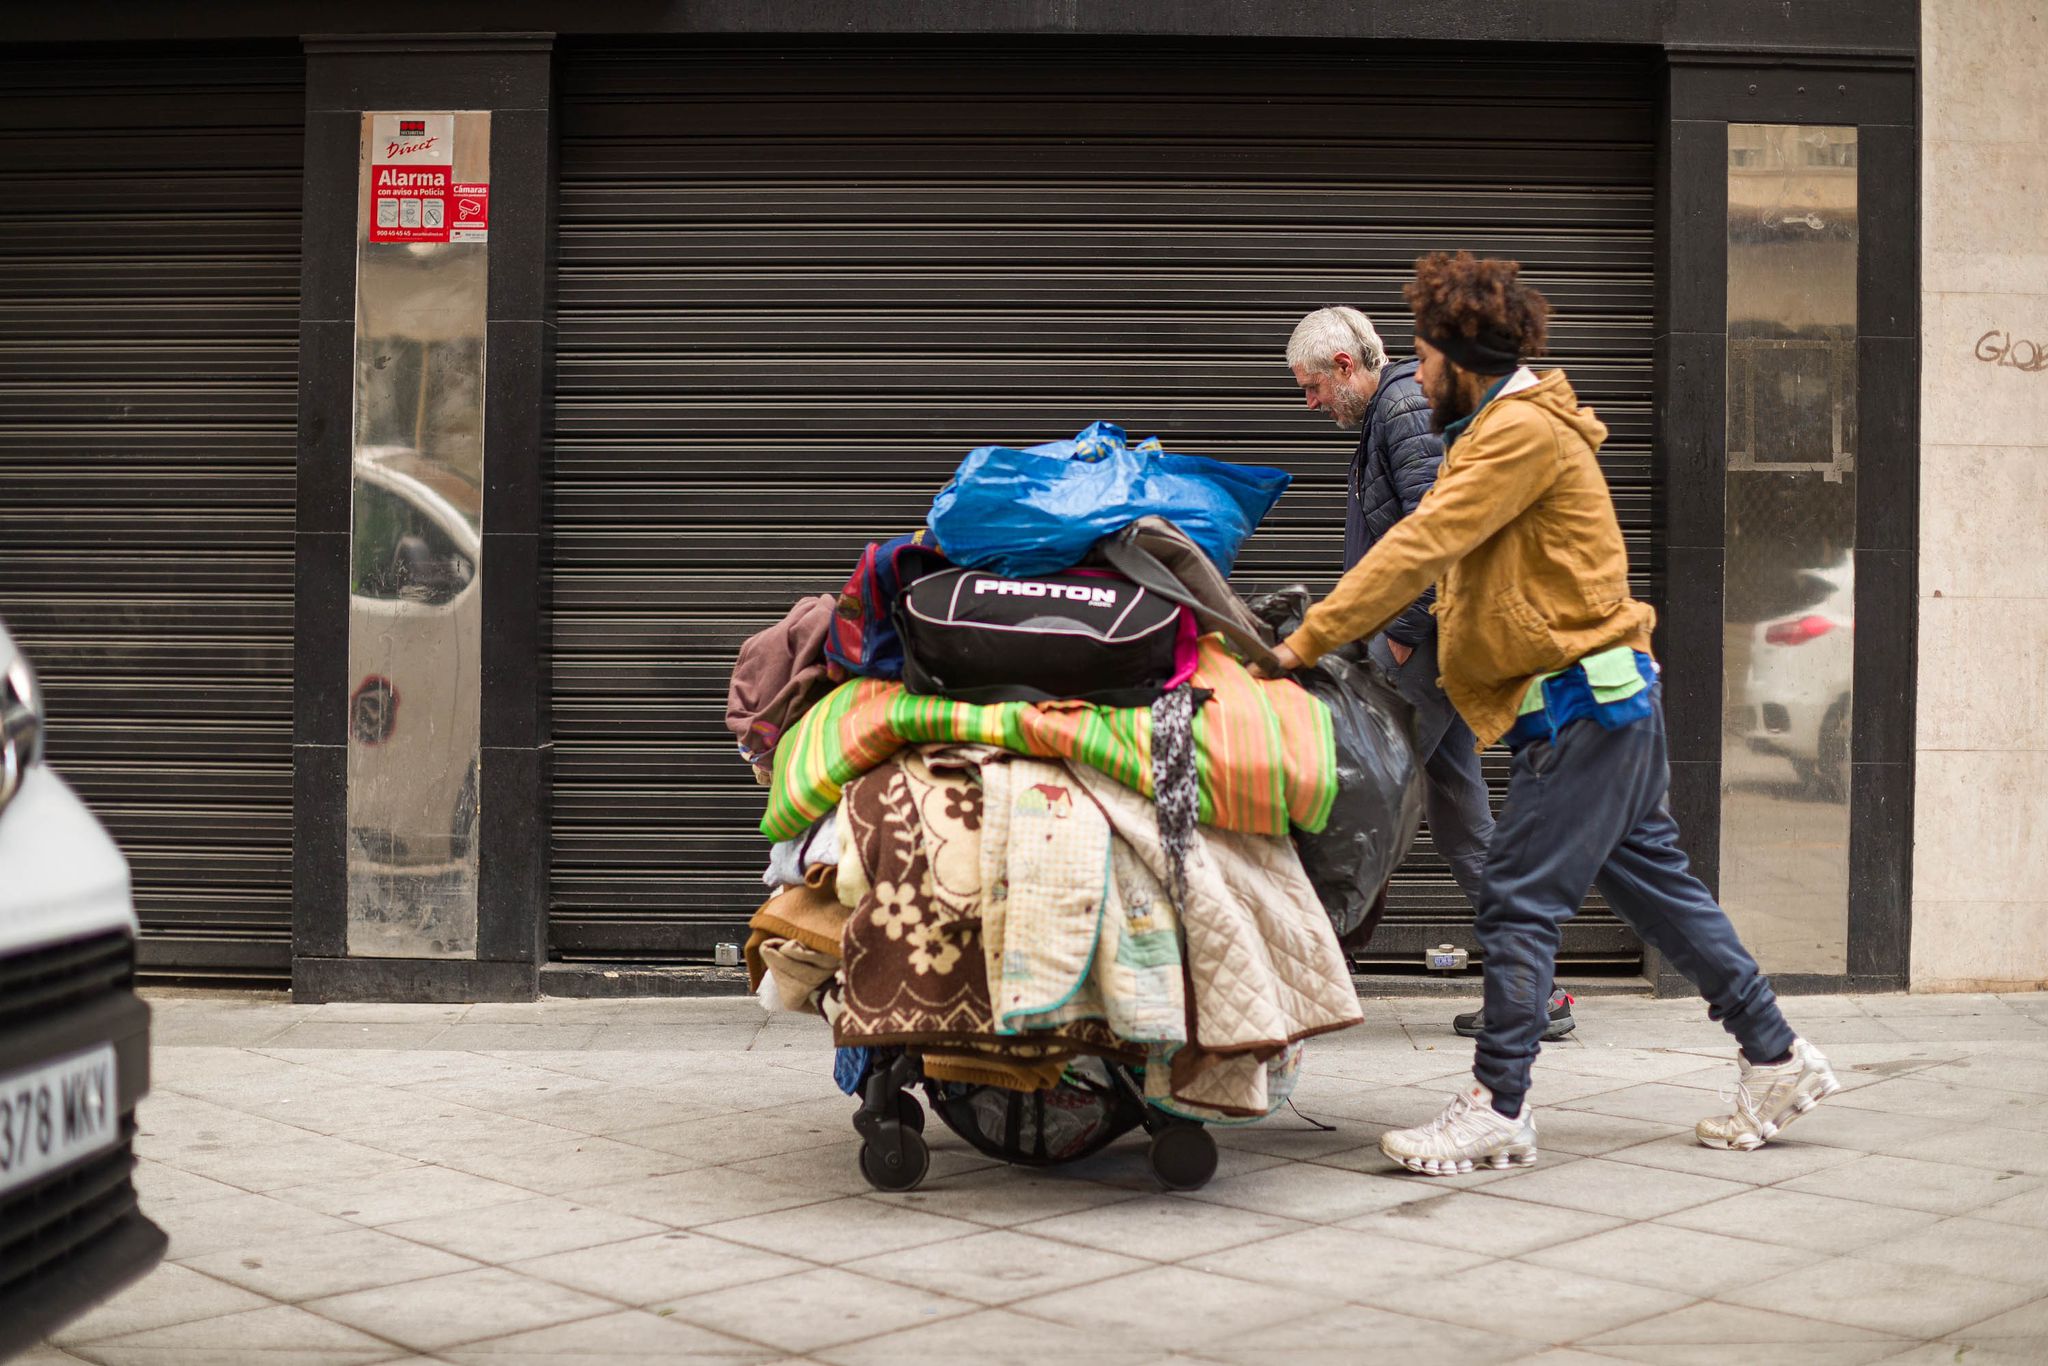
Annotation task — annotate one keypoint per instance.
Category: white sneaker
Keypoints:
(1465, 1135)
(1769, 1098)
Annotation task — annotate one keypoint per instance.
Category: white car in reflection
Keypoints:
(1798, 689)
(415, 627)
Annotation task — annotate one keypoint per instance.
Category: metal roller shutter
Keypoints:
(149, 300)
(797, 285)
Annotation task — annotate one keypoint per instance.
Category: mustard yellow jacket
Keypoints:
(1520, 537)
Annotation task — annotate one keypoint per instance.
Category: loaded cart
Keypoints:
(1049, 847)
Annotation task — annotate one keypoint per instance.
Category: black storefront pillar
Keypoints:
(511, 77)
(1706, 90)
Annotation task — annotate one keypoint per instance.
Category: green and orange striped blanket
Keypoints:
(1264, 748)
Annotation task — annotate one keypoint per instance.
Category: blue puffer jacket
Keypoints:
(1397, 460)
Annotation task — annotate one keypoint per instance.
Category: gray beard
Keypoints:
(1349, 411)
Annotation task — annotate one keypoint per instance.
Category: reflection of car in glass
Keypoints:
(415, 624)
(74, 1042)
(1798, 689)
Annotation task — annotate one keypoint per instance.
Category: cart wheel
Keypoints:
(909, 1113)
(902, 1170)
(1183, 1157)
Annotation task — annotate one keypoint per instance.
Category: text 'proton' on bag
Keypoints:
(1086, 635)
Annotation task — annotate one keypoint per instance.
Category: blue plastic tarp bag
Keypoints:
(1039, 510)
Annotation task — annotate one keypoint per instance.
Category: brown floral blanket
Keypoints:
(910, 869)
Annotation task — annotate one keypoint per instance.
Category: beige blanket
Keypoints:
(1263, 962)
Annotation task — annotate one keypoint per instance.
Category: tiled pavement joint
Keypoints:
(619, 1180)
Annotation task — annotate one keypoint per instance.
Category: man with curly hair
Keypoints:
(1343, 370)
(1541, 646)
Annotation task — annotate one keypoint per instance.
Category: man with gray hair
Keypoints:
(1342, 368)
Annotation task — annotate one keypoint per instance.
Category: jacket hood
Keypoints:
(1553, 394)
(1395, 370)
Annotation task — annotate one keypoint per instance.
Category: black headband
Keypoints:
(1492, 352)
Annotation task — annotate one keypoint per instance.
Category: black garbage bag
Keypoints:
(1379, 774)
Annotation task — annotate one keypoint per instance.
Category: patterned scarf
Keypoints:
(1176, 785)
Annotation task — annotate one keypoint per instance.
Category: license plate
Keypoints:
(55, 1114)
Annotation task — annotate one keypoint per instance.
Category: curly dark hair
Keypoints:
(1466, 296)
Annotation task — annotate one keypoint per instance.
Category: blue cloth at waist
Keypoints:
(1569, 697)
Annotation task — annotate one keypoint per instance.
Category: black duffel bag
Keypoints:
(1083, 636)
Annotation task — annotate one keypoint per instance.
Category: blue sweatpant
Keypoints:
(1454, 789)
(1588, 808)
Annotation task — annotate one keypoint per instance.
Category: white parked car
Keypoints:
(74, 1041)
(1798, 690)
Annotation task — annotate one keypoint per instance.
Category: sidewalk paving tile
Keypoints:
(1652, 1102)
(565, 1164)
(1918, 1094)
(630, 1335)
(1344, 1337)
(532, 1227)
(660, 1267)
(356, 1034)
(1340, 1264)
(991, 1337)
(1715, 1324)
(1310, 1192)
(692, 1198)
(171, 1294)
(1543, 1303)
(277, 1328)
(1906, 1301)
(1996, 1149)
(469, 1306)
(1971, 1247)
(1817, 1223)
(413, 1193)
(243, 1221)
(841, 1230)
(1162, 1228)
(295, 1269)
(1936, 1187)
(257, 1160)
(122, 1354)
(994, 1194)
(1975, 1351)
(451, 1131)
(1173, 1307)
(827, 1307)
(996, 1268)
(1769, 1165)
(2030, 1209)
(1624, 1190)
(1682, 1260)
(2027, 1323)
(162, 1186)
(1757, 1354)
(1474, 1221)
(1588, 1133)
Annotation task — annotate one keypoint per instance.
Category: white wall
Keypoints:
(1980, 878)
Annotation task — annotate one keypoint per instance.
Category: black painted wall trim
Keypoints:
(1704, 93)
(316, 981)
(512, 75)
(1856, 28)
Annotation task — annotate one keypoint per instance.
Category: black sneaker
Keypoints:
(1561, 1021)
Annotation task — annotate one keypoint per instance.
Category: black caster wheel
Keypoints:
(909, 1113)
(1183, 1157)
(902, 1170)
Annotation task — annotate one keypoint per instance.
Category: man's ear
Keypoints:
(1342, 366)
